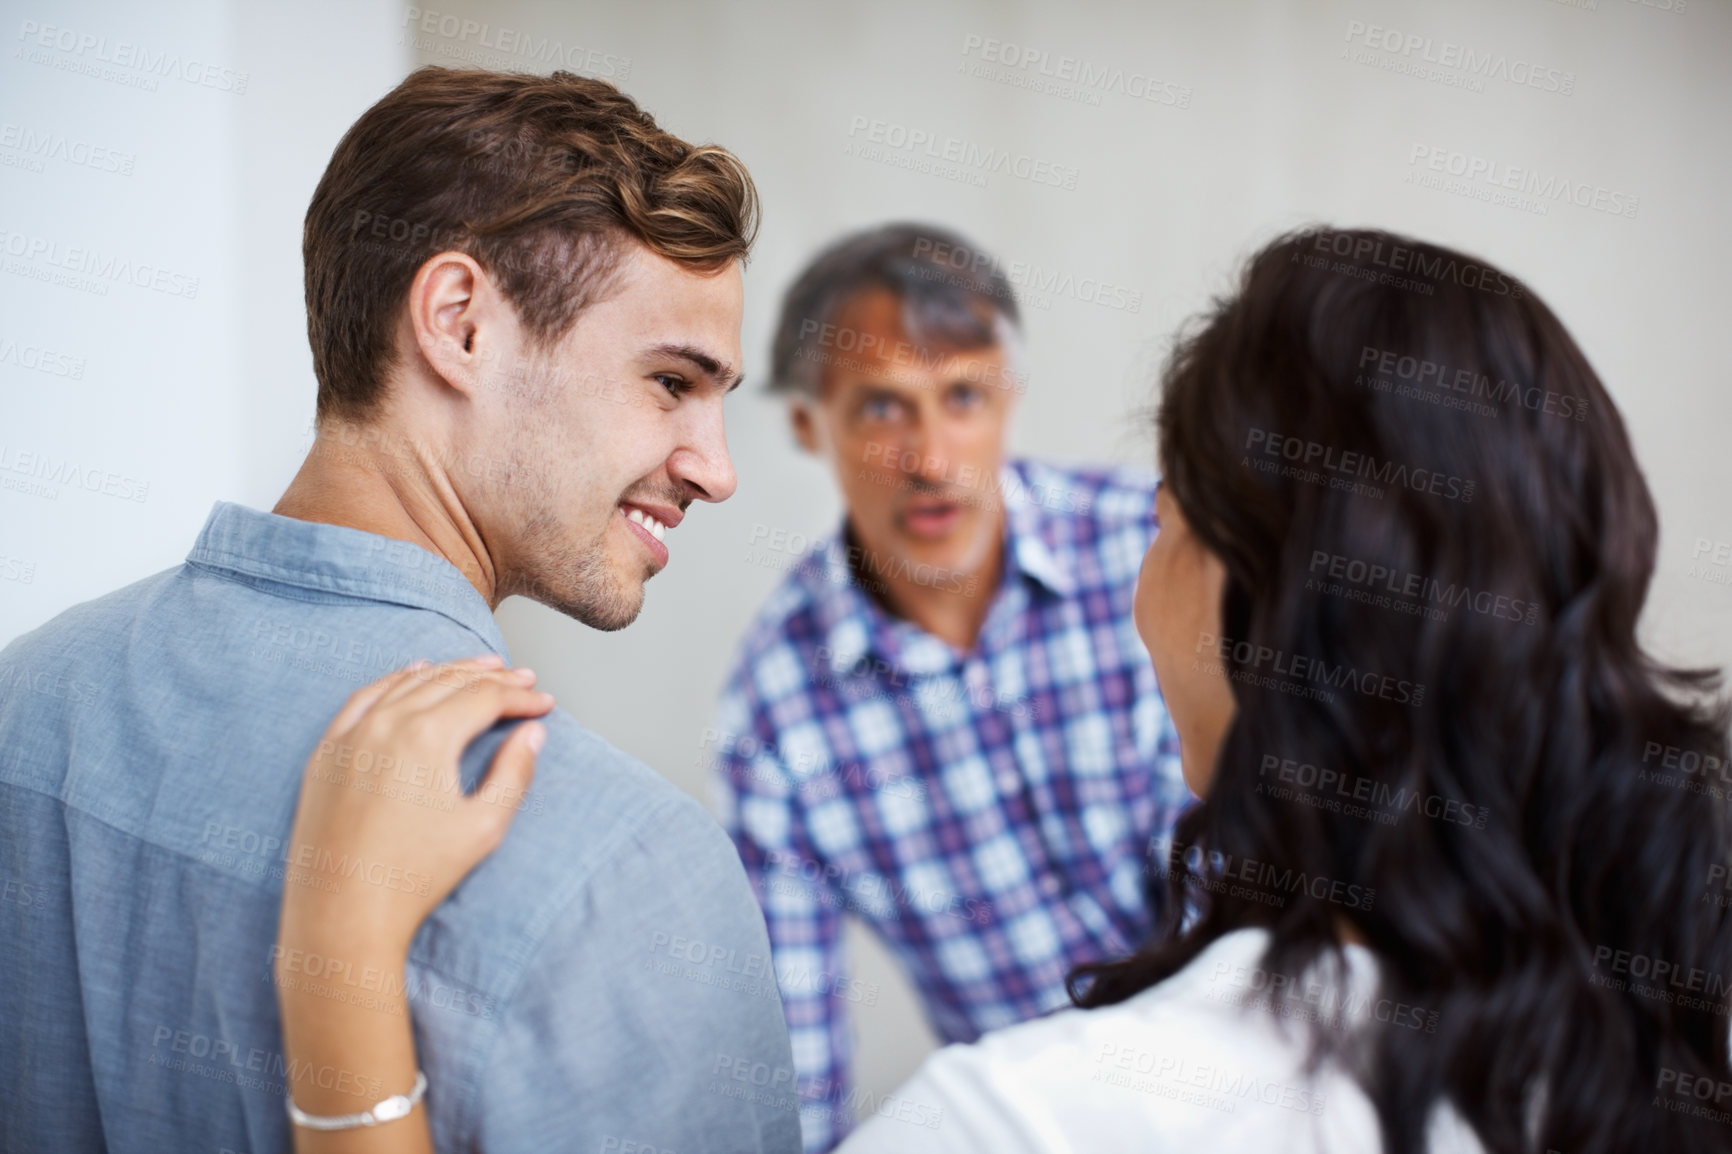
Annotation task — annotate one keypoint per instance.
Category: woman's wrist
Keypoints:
(345, 926)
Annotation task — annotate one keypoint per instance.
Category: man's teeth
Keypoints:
(656, 528)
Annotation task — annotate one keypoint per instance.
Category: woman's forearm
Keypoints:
(348, 1044)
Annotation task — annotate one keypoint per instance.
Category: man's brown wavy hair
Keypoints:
(543, 180)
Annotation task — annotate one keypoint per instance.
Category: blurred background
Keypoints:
(154, 169)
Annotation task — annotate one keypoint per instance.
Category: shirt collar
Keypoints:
(857, 626)
(339, 561)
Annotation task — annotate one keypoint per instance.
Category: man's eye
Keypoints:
(879, 409)
(676, 385)
(966, 396)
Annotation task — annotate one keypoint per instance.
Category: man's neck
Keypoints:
(952, 609)
(394, 487)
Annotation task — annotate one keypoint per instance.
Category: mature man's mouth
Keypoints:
(930, 520)
(650, 523)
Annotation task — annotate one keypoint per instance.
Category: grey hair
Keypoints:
(953, 295)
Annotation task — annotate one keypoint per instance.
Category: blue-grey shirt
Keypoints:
(601, 980)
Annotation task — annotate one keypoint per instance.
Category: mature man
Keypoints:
(943, 722)
(524, 303)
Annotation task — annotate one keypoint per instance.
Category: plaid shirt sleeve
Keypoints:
(758, 804)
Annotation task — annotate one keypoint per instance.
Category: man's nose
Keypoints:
(702, 465)
(928, 457)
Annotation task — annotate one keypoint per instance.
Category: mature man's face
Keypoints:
(916, 436)
(603, 441)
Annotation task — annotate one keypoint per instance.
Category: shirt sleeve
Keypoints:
(647, 1014)
(759, 805)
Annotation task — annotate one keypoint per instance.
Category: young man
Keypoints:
(524, 302)
(943, 722)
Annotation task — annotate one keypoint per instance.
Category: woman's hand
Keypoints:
(383, 831)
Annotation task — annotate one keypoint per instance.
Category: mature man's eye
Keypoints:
(678, 386)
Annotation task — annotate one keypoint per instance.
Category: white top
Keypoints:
(1193, 1063)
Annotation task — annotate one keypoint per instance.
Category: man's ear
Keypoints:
(452, 312)
(804, 422)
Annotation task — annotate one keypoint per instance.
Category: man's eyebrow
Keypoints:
(719, 371)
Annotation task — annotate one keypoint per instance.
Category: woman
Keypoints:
(1447, 888)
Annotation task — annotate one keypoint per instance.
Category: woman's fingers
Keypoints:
(434, 686)
(424, 675)
(507, 781)
(364, 698)
(460, 715)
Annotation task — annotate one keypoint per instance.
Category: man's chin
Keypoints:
(609, 621)
(607, 607)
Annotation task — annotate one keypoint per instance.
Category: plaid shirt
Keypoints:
(990, 814)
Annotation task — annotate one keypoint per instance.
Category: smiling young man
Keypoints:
(524, 304)
(943, 722)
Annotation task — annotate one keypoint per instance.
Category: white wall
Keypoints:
(161, 397)
(210, 398)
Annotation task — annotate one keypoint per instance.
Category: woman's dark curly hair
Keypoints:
(1413, 478)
